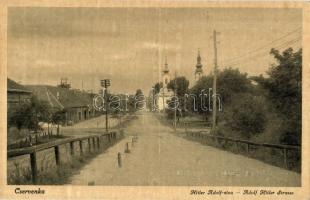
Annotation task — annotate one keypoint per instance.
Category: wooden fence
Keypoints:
(93, 140)
(33, 139)
(219, 141)
(196, 123)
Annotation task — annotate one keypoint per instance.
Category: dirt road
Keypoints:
(91, 126)
(159, 157)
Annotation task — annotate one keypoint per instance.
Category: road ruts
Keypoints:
(162, 158)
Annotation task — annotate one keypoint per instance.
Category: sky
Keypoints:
(129, 45)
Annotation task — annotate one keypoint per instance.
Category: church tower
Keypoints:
(198, 71)
(164, 94)
(166, 75)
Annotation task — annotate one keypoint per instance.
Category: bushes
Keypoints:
(28, 115)
(245, 116)
(267, 109)
(283, 87)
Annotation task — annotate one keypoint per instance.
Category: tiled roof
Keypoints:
(61, 97)
(12, 86)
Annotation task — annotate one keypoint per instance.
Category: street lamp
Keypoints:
(105, 84)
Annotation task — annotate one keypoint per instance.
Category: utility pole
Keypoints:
(163, 98)
(214, 84)
(175, 100)
(106, 83)
(106, 109)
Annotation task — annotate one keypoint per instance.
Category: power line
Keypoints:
(249, 59)
(241, 58)
(277, 46)
(266, 45)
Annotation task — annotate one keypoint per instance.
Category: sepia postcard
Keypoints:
(154, 100)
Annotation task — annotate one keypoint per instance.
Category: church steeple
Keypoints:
(198, 71)
(166, 70)
(198, 59)
(166, 76)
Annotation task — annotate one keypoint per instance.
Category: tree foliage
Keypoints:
(249, 109)
(157, 87)
(284, 86)
(139, 100)
(28, 115)
(230, 82)
(246, 115)
(180, 84)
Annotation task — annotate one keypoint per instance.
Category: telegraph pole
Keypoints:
(106, 109)
(175, 99)
(106, 83)
(214, 84)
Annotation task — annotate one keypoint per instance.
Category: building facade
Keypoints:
(74, 104)
(17, 95)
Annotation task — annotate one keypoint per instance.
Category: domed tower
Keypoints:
(198, 71)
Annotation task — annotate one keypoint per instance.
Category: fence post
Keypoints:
(89, 145)
(132, 141)
(81, 147)
(58, 129)
(119, 159)
(30, 138)
(127, 148)
(98, 143)
(109, 137)
(237, 146)
(185, 125)
(285, 158)
(72, 148)
(56, 149)
(247, 148)
(33, 163)
(94, 144)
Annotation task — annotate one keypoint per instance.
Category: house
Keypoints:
(74, 104)
(17, 95)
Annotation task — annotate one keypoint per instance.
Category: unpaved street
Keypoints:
(91, 126)
(159, 157)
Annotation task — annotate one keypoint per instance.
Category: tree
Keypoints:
(284, 90)
(229, 82)
(139, 100)
(28, 115)
(232, 81)
(58, 117)
(180, 85)
(157, 87)
(245, 116)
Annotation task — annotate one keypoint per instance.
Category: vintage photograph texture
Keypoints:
(154, 96)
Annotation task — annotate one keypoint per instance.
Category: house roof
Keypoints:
(61, 97)
(12, 86)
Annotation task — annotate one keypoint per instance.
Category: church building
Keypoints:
(165, 94)
(198, 71)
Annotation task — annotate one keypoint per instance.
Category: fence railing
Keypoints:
(218, 140)
(93, 140)
(33, 138)
(188, 124)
